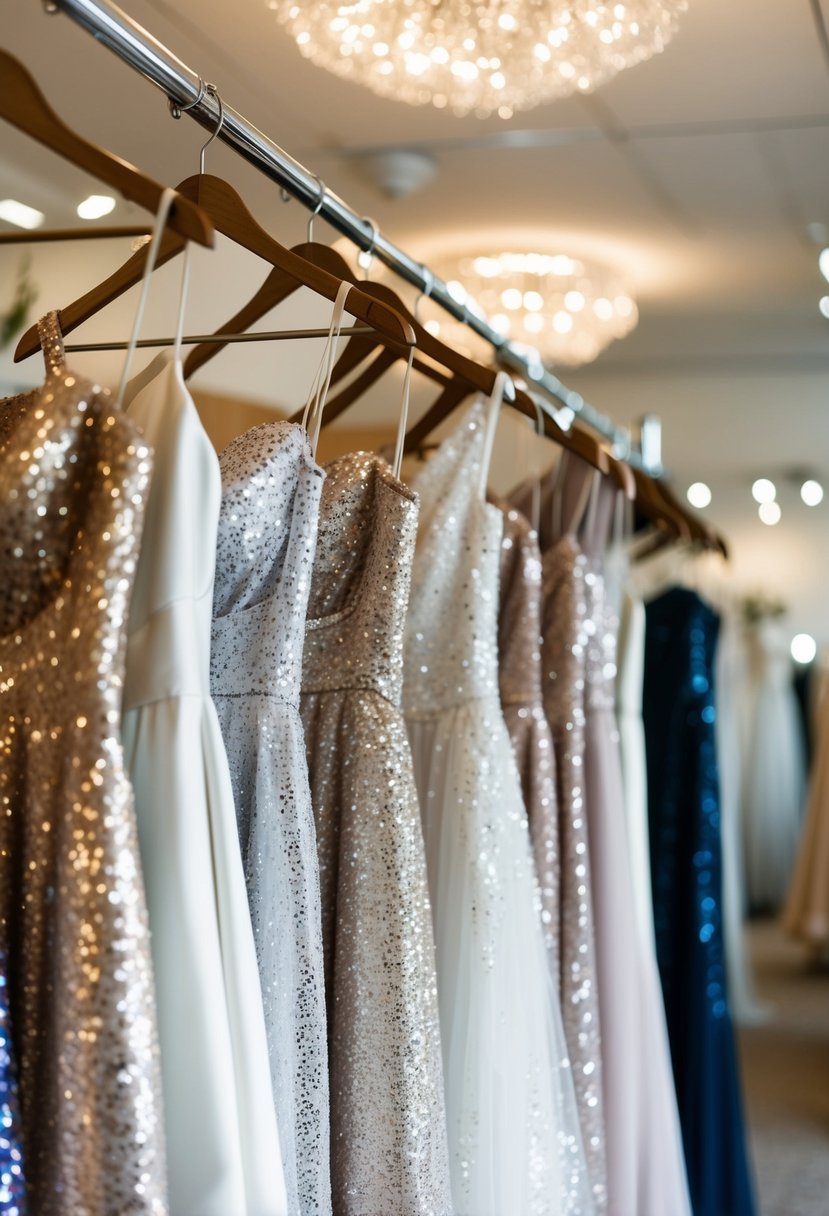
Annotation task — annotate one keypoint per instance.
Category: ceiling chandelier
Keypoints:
(484, 57)
(565, 309)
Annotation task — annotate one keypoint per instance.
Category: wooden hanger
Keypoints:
(232, 218)
(37, 236)
(463, 373)
(276, 288)
(465, 376)
(655, 507)
(701, 532)
(23, 105)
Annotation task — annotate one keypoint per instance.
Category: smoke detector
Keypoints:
(396, 172)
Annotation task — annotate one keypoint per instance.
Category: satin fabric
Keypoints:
(223, 1143)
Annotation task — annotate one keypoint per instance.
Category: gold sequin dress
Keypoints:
(389, 1154)
(73, 920)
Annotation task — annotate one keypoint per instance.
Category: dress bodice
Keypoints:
(519, 620)
(360, 583)
(168, 646)
(265, 553)
(452, 629)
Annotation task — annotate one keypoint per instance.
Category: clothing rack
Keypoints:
(188, 93)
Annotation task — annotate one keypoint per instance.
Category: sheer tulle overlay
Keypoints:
(511, 1108)
(514, 1139)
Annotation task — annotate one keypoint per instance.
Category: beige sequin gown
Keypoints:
(73, 922)
(564, 626)
(389, 1150)
(519, 679)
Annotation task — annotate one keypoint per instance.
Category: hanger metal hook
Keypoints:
(213, 91)
(320, 203)
(177, 108)
(426, 290)
(368, 254)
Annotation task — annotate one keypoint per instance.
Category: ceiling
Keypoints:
(697, 174)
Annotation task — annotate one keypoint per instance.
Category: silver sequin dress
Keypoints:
(73, 921)
(389, 1151)
(267, 535)
(515, 1144)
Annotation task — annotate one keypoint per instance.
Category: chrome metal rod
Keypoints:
(137, 47)
(274, 335)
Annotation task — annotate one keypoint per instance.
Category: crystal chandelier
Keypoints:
(484, 57)
(566, 309)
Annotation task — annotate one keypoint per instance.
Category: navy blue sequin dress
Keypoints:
(684, 813)
(12, 1189)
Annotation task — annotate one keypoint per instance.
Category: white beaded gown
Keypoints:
(271, 489)
(223, 1143)
(514, 1139)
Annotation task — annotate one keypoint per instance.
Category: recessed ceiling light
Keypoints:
(763, 490)
(804, 648)
(811, 492)
(699, 495)
(770, 513)
(19, 214)
(824, 306)
(96, 206)
(823, 262)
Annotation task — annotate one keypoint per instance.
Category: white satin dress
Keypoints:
(774, 790)
(222, 1140)
(514, 1138)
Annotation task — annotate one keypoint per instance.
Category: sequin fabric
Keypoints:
(271, 490)
(564, 630)
(684, 809)
(389, 1153)
(73, 920)
(519, 677)
(514, 1136)
(12, 1183)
